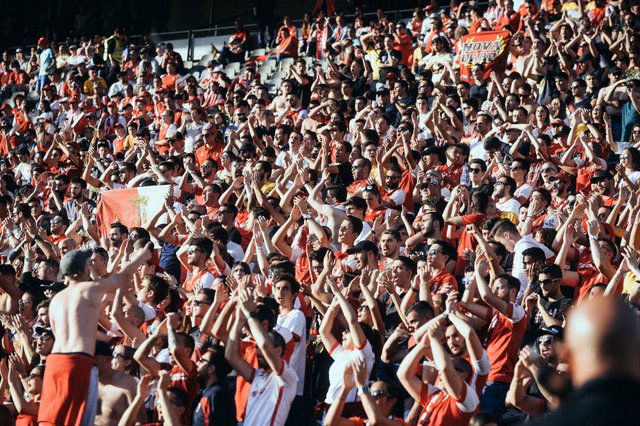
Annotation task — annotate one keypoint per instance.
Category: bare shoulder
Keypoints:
(124, 381)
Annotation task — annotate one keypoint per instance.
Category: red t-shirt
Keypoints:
(503, 340)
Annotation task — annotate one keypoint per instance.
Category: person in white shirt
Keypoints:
(506, 233)
(354, 345)
(274, 382)
(285, 290)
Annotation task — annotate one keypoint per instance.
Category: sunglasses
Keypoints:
(377, 393)
(434, 252)
(545, 340)
(476, 170)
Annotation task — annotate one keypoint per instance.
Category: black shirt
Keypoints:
(610, 400)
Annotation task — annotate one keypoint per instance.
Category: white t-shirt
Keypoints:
(524, 190)
(235, 250)
(341, 359)
(295, 322)
(271, 396)
(511, 205)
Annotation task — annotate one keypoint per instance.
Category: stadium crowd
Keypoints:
(385, 235)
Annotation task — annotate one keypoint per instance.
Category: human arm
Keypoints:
(232, 349)
(130, 416)
(334, 415)
(170, 416)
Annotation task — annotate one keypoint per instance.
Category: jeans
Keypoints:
(493, 396)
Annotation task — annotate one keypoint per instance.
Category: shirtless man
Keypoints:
(116, 391)
(74, 319)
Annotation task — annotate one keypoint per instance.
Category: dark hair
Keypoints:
(294, 285)
(218, 360)
(423, 309)
(203, 244)
(551, 269)
(159, 286)
(512, 282)
(339, 192)
(355, 223)
(536, 253)
(120, 227)
(504, 225)
(409, 263)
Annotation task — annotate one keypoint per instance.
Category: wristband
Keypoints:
(417, 290)
(364, 390)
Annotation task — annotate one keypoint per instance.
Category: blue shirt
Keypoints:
(216, 406)
(46, 60)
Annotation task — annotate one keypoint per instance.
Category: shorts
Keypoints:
(42, 81)
(69, 390)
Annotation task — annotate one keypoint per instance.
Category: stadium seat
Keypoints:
(258, 52)
(284, 63)
(204, 61)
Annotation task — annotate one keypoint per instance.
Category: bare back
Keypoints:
(74, 319)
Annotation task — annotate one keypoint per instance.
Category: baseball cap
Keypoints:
(43, 41)
(364, 245)
(600, 175)
(218, 69)
(553, 330)
(248, 147)
(73, 263)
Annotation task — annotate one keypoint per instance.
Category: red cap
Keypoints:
(74, 100)
(43, 41)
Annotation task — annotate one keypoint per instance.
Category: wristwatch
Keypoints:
(307, 217)
(365, 389)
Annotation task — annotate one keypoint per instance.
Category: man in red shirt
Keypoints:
(507, 324)
(509, 17)
(455, 401)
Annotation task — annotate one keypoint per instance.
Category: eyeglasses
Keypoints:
(474, 170)
(545, 340)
